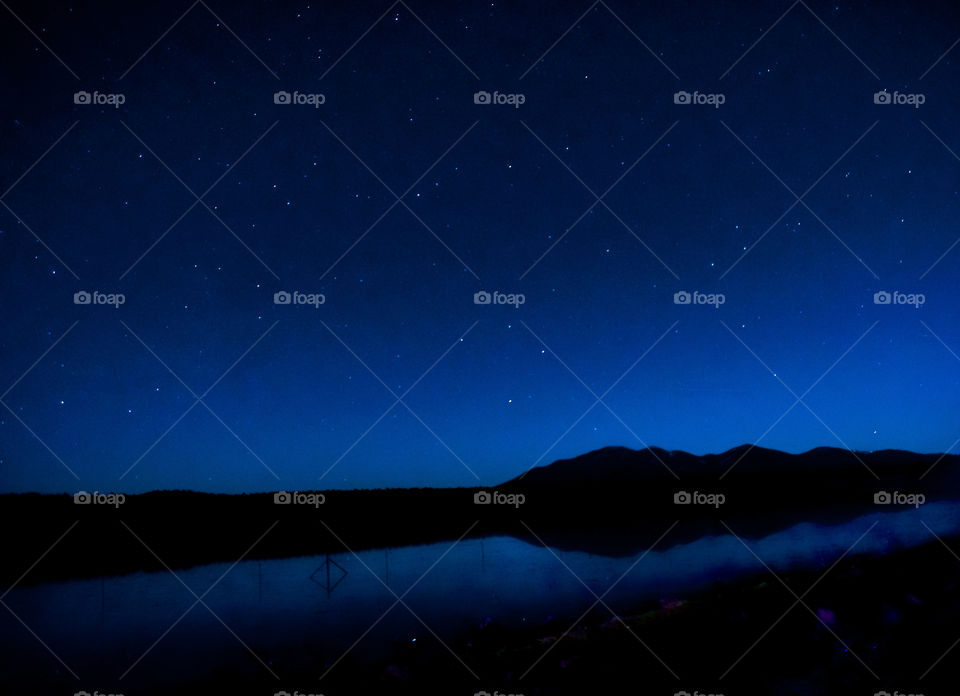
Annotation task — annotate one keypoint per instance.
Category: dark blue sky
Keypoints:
(493, 198)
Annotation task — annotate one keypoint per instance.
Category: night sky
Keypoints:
(398, 198)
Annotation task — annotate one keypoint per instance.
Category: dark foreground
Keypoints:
(898, 614)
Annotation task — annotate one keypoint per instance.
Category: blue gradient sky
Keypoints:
(295, 392)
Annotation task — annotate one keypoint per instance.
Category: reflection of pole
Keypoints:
(330, 587)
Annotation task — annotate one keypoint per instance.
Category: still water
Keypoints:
(302, 614)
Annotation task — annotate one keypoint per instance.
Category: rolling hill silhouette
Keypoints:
(613, 501)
